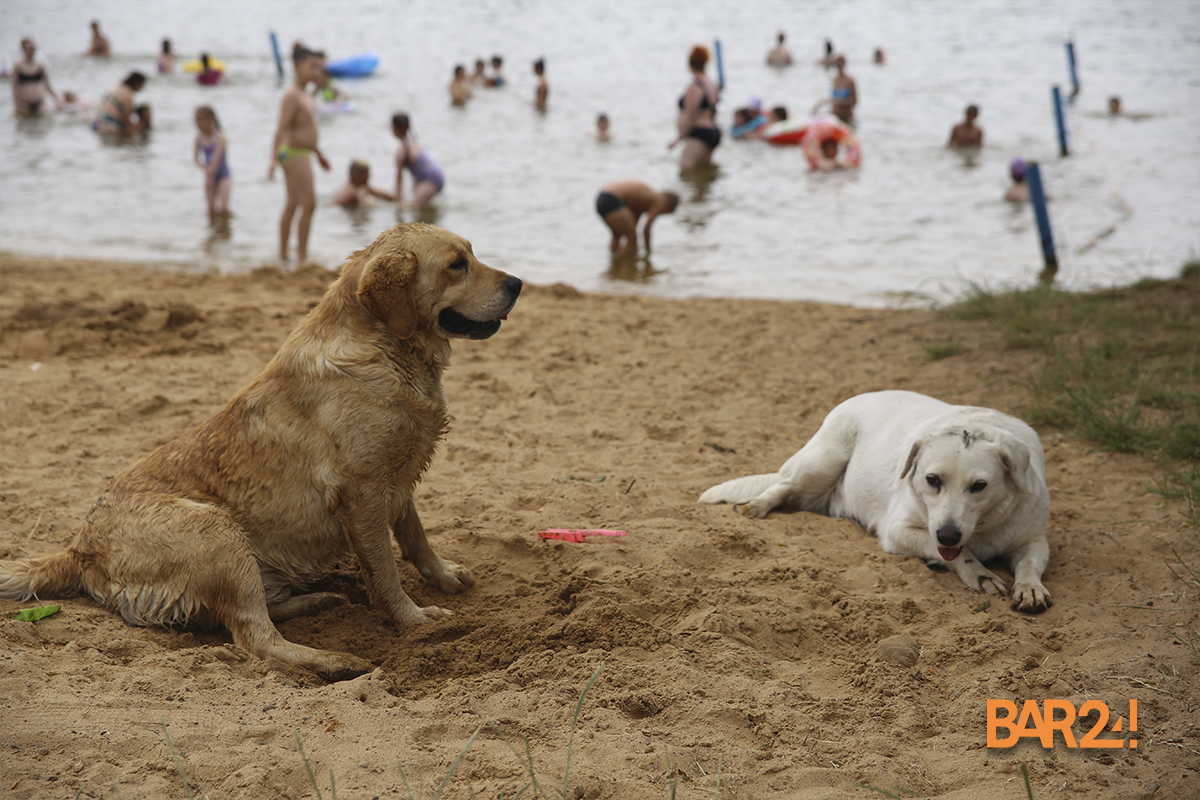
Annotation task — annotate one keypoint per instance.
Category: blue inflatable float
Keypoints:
(358, 66)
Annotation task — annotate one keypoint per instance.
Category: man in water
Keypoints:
(295, 141)
(622, 204)
(778, 56)
(967, 133)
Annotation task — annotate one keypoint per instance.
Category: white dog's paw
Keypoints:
(1031, 598)
(429, 614)
(451, 578)
(755, 509)
(977, 577)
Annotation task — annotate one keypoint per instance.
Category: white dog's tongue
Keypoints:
(949, 553)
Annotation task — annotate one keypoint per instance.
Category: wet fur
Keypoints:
(871, 462)
(315, 460)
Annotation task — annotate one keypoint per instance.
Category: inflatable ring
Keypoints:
(786, 131)
(194, 65)
(823, 129)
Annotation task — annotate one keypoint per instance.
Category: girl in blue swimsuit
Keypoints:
(210, 155)
(427, 174)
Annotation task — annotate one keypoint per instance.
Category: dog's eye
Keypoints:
(978, 486)
(461, 264)
(934, 481)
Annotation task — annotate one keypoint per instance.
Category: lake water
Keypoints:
(521, 185)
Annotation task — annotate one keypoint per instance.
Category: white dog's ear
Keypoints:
(1015, 458)
(910, 463)
(385, 289)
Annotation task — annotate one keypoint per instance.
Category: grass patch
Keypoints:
(1120, 368)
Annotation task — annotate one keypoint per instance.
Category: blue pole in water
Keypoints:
(278, 58)
(1037, 197)
(1060, 117)
(720, 65)
(1074, 72)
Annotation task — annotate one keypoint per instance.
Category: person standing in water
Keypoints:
(623, 203)
(210, 154)
(543, 87)
(778, 56)
(697, 114)
(30, 84)
(426, 173)
(843, 96)
(99, 46)
(294, 144)
(967, 133)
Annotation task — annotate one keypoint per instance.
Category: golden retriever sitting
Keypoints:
(317, 458)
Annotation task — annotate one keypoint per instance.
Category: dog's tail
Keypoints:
(54, 575)
(739, 490)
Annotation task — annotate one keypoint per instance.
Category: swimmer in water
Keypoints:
(967, 133)
(358, 190)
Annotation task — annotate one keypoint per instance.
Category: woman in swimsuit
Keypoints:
(30, 84)
(844, 95)
(210, 154)
(117, 114)
(426, 173)
(697, 110)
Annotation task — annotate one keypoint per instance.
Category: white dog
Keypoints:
(954, 485)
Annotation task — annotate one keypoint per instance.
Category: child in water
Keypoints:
(358, 191)
(210, 155)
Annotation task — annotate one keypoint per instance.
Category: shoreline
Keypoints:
(745, 646)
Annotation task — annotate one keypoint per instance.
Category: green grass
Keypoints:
(1120, 368)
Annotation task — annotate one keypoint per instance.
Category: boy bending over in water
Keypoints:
(359, 191)
(296, 140)
(622, 204)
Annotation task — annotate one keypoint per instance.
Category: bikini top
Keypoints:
(36, 77)
(705, 104)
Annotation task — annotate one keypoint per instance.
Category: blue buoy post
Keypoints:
(720, 65)
(1074, 71)
(278, 58)
(1060, 118)
(1037, 197)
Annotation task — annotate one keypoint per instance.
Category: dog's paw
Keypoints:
(992, 584)
(451, 578)
(432, 613)
(1031, 598)
(342, 666)
(754, 509)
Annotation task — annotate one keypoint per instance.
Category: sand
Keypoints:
(737, 654)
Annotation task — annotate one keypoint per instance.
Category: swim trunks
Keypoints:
(607, 202)
(710, 136)
(286, 151)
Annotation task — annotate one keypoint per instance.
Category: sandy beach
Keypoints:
(738, 655)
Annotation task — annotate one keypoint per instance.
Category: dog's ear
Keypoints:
(385, 289)
(910, 463)
(1015, 458)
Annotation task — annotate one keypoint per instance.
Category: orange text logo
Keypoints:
(1054, 715)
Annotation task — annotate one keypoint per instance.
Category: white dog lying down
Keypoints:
(954, 485)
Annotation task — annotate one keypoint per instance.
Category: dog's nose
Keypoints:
(948, 536)
(513, 285)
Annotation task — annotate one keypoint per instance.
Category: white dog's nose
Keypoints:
(949, 535)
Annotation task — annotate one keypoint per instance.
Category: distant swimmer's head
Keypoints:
(698, 58)
(741, 116)
(496, 62)
(460, 71)
(1016, 168)
(840, 62)
(781, 37)
(779, 114)
(1114, 105)
(829, 148)
(400, 124)
(972, 112)
(360, 172)
(539, 67)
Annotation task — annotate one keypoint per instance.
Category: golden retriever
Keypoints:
(953, 485)
(316, 459)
